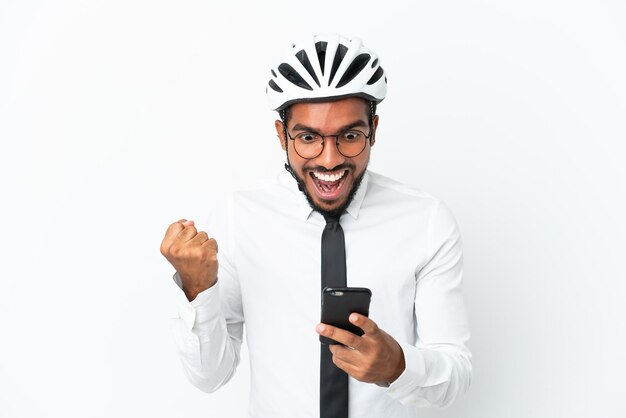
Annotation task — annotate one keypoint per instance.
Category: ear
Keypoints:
(280, 133)
(374, 127)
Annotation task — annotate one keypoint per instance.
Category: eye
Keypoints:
(307, 137)
(351, 136)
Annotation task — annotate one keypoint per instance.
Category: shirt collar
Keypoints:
(302, 208)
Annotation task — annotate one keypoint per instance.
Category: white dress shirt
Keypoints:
(401, 243)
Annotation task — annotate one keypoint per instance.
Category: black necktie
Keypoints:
(333, 380)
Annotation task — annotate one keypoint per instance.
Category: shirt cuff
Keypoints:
(414, 374)
(204, 307)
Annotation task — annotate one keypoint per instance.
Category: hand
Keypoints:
(193, 254)
(374, 357)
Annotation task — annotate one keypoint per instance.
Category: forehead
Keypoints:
(329, 115)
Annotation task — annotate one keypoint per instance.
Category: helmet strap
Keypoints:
(371, 118)
(283, 118)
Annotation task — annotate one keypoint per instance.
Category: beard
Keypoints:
(335, 213)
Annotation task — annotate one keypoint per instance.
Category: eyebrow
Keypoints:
(355, 124)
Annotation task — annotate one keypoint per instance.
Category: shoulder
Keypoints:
(406, 197)
(394, 191)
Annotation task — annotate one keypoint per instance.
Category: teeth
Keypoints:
(329, 177)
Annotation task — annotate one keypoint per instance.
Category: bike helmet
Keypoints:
(326, 67)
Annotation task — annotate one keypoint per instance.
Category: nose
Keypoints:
(330, 156)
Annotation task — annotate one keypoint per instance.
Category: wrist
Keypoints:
(400, 367)
(192, 287)
(191, 292)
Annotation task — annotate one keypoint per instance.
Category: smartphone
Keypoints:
(337, 305)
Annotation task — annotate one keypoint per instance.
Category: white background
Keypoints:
(120, 117)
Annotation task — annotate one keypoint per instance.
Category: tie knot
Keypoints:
(330, 219)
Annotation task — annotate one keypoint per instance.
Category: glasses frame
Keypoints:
(367, 137)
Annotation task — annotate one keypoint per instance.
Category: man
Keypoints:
(398, 241)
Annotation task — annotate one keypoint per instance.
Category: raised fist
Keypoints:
(193, 254)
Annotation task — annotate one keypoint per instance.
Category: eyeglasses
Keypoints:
(349, 143)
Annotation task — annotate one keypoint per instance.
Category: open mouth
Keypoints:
(329, 185)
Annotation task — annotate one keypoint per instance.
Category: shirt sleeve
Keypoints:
(209, 330)
(438, 367)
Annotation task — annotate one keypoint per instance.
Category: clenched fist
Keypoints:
(193, 254)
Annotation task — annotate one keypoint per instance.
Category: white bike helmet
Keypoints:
(326, 67)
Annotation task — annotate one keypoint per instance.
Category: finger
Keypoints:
(170, 235)
(174, 229)
(340, 335)
(187, 233)
(343, 365)
(345, 354)
(199, 239)
(211, 242)
(368, 326)
(185, 222)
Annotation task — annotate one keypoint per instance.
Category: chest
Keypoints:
(279, 269)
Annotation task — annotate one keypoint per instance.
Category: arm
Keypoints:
(209, 328)
(209, 331)
(438, 368)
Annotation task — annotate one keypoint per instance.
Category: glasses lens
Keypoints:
(308, 145)
(351, 143)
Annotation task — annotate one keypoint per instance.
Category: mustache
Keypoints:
(340, 167)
